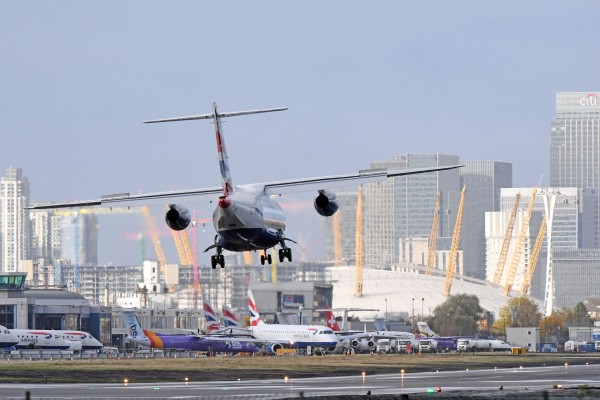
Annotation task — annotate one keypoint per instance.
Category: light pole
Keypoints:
(422, 302)
(385, 310)
(413, 314)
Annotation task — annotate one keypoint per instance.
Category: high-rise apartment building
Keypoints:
(15, 227)
(483, 180)
(80, 239)
(575, 146)
(402, 207)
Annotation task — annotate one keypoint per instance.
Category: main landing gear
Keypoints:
(217, 259)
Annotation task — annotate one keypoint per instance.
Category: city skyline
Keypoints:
(361, 85)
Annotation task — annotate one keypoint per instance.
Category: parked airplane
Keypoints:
(246, 218)
(7, 338)
(277, 336)
(39, 339)
(443, 343)
(88, 342)
(184, 342)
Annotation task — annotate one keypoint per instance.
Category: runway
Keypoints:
(511, 379)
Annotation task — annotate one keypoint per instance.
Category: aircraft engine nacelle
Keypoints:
(178, 217)
(363, 344)
(273, 347)
(326, 203)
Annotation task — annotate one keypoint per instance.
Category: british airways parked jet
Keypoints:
(246, 217)
(277, 336)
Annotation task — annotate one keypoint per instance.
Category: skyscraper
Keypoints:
(15, 227)
(402, 207)
(483, 180)
(575, 146)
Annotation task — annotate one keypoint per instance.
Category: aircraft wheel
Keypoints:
(221, 260)
(262, 260)
(213, 262)
(269, 259)
(289, 255)
(281, 255)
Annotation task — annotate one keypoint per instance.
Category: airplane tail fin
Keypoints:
(253, 311)
(425, 329)
(331, 322)
(380, 324)
(212, 322)
(229, 318)
(134, 328)
(222, 151)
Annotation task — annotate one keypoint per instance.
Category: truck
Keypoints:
(482, 345)
(575, 346)
(407, 346)
(596, 340)
(383, 346)
(428, 345)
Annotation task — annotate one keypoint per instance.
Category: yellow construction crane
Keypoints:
(451, 269)
(184, 249)
(506, 242)
(337, 240)
(512, 272)
(433, 236)
(535, 254)
(155, 237)
(359, 245)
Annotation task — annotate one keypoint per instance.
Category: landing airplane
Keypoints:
(246, 217)
(148, 338)
(278, 336)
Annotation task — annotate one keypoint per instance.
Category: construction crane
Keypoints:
(155, 237)
(337, 240)
(512, 272)
(433, 236)
(506, 242)
(451, 269)
(359, 245)
(182, 244)
(195, 261)
(535, 254)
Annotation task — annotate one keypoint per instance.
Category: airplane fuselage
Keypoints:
(246, 221)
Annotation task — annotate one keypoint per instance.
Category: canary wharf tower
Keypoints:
(575, 145)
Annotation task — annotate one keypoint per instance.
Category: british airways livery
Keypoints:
(247, 218)
(278, 336)
(7, 338)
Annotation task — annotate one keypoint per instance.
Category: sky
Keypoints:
(363, 82)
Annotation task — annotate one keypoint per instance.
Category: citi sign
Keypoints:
(589, 100)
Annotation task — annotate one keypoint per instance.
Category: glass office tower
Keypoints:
(575, 146)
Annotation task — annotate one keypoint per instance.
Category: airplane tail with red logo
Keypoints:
(221, 149)
(212, 322)
(253, 311)
(331, 322)
(229, 319)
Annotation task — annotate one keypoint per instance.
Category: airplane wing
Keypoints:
(269, 188)
(337, 181)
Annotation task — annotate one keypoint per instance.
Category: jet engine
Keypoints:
(363, 344)
(273, 347)
(326, 203)
(178, 217)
